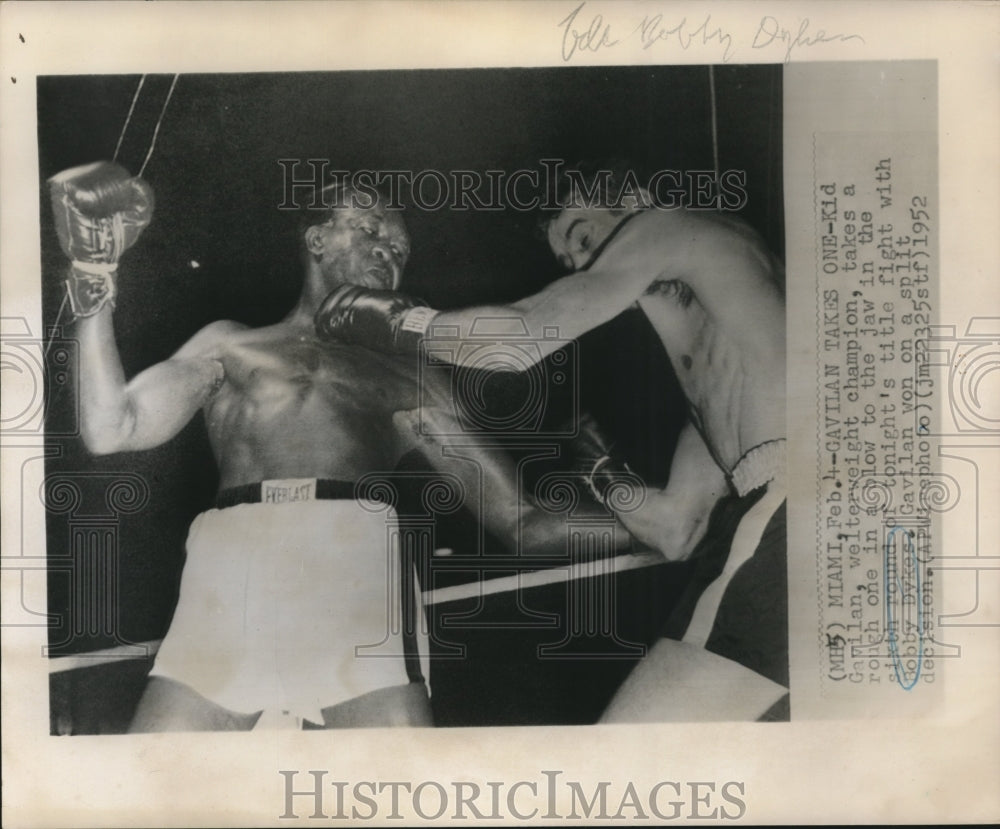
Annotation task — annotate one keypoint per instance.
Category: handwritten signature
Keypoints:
(652, 30)
(770, 31)
(591, 33)
(596, 36)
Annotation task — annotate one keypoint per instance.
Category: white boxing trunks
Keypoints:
(291, 607)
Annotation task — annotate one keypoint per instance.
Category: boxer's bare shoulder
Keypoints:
(294, 406)
(285, 354)
(293, 357)
(211, 340)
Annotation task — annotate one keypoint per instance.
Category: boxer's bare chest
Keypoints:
(703, 357)
(288, 395)
(711, 367)
(292, 369)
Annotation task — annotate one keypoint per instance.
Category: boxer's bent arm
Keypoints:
(155, 405)
(673, 520)
(490, 478)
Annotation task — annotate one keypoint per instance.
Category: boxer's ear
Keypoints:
(314, 240)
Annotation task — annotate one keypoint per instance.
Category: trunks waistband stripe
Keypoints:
(760, 465)
(288, 491)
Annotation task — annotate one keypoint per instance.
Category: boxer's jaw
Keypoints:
(577, 233)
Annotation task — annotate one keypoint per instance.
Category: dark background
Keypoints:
(218, 183)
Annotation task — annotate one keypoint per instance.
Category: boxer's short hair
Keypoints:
(598, 183)
(333, 197)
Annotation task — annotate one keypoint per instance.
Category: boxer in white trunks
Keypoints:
(287, 576)
(714, 294)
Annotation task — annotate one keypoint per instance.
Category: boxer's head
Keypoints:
(592, 205)
(357, 240)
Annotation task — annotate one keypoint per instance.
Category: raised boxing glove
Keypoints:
(381, 320)
(99, 210)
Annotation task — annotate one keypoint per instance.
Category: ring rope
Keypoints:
(715, 129)
(156, 129)
(131, 109)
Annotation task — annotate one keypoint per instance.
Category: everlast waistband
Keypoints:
(286, 491)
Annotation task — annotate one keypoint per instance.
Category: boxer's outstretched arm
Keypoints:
(727, 265)
(673, 520)
(723, 260)
(155, 405)
(573, 304)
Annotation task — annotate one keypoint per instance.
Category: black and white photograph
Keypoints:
(499, 412)
(566, 436)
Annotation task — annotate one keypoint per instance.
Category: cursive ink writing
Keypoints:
(651, 30)
(770, 31)
(592, 39)
(583, 31)
(902, 592)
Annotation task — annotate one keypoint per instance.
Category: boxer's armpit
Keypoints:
(721, 259)
(729, 270)
(219, 376)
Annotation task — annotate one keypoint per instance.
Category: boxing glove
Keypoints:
(610, 472)
(381, 320)
(602, 469)
(99, 210)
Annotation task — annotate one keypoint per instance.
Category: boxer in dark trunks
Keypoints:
(714, 294)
